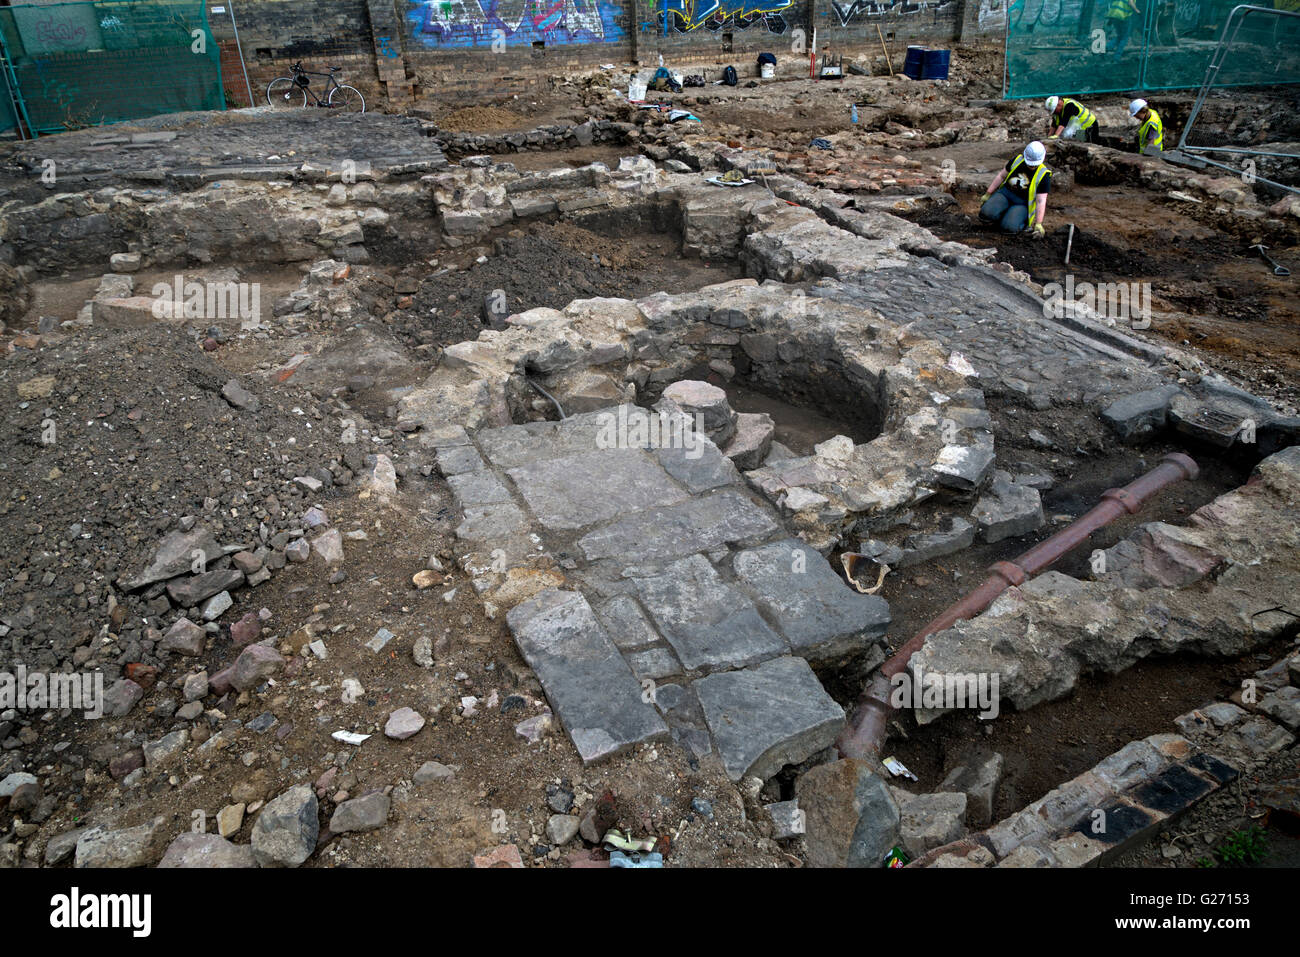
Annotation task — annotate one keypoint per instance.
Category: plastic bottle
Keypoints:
(853, 112)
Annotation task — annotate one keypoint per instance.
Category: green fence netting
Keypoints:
(1090, 46)
(72, 65)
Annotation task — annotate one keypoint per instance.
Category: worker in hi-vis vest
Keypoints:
(1017, 198)
(1120, 14)
(1151, 129)
(1070, 120)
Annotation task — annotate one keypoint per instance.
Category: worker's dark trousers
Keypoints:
(1122, 30)
(1007, 210)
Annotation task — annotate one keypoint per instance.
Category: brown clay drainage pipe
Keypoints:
(863, 736)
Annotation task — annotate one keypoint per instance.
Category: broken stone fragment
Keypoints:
(765, 717)
(61, 847)
(403, 723)
(246, 630)
(246, 562)
(850, 818)
(977, 777)
(1007, 510)
(254, 665)
(126, 847)
(124, 262)
(928, 821)
(382, 478)
(216, 606)
(506, 856)
(207, 850)
(176, 555)
(285, 832)
(561, 829)
(432, 771)
(1158, 555)
(185, 638)
(787, 822)
(750, 446)
(953, 534)
(1219, 422)
(328, 547)
(1141, 415)
(120, 697)
(366, 813)
(239, 397)
(696, 398)
(963, 467)
(188, 592)
(165, 751)
(532, 729)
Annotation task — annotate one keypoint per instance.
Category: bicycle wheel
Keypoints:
(348, 99)
(283, 93)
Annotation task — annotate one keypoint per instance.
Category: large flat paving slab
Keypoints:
(768, 716)
(709, 623)
(693, 579)
(674, 531)
(580, 490)
(590, 686)
(799, 592)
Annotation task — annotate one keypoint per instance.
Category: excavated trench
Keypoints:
(809, 407)
(637, 251)
(1208, 290)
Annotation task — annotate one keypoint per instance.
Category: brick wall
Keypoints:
(399, 52)
(277, 33)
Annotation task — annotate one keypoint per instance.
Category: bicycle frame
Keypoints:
(333, 84)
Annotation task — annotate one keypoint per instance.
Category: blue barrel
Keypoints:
(934, 65)
(914, 62)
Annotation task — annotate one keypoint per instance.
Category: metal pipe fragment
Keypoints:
(1069, 244)
(863, 736)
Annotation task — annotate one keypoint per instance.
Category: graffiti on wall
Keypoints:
(461, 23)
(849, 10)
(992, 13)
(66, 28)
(682, 16)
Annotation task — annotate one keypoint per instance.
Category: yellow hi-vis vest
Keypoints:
(1085, 118)
(1033, 183)
(1153, 122)
(1119, 10)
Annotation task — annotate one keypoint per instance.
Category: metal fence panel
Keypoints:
(83, 64)
(1095, 46)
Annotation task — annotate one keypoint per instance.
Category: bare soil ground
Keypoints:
(1209, 291)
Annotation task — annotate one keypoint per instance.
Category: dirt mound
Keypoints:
(552, 265)
(476, 119)
(101, 460)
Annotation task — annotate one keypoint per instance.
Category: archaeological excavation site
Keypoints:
(771, 445)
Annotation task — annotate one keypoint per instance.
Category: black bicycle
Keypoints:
(292, 91)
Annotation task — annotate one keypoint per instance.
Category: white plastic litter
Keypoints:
(349, 737)
(897, 768)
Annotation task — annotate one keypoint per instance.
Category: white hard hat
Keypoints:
(1052, 103)
(1136, 107)
(1034, 154)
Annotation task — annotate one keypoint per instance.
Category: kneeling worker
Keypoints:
(1018, 193)
(1151, 131)
(1071, 120)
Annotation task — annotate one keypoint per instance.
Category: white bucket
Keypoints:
(767, 71)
